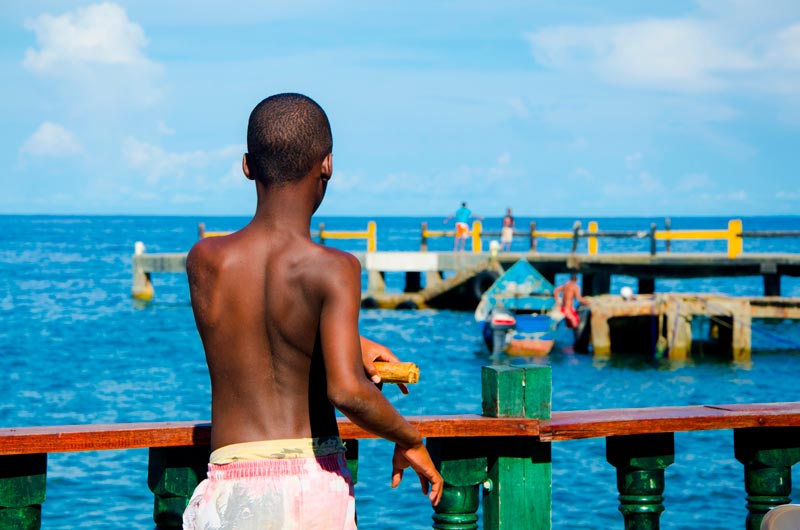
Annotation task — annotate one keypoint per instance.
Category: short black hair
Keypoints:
(286, 135)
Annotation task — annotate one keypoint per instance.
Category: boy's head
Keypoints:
(286, 135)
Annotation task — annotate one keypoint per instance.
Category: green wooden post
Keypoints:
(462, 463)
(23, 479)
(768, 455)
(520, 469)
(640, 461)
(172, 475)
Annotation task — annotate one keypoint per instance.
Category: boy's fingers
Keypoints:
(397, 476)
(372, 372)
(423, 481)
(436, 492)
(403, 388)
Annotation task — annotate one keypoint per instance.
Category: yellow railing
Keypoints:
(370, 234)
(734, 235)
(477, 243)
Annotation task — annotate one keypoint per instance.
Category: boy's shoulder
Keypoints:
(207, 252)
(333, 262)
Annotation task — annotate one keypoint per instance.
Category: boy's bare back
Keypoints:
(278, 314)
(258, 297)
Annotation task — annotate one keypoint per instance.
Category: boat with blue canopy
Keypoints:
(516, 315)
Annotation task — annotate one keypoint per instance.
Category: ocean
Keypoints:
(77, 349)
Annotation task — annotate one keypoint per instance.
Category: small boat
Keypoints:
(515, 313)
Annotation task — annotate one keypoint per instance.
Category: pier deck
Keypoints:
(597, 270)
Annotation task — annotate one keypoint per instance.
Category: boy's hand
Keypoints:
(371, 351)
(419, 460)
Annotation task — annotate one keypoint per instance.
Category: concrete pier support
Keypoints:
(647, 285)
(433, 278)
(375, 282)
(772, 285)
(413, 282)
(142, 286)
(596, 283)
(661, 325)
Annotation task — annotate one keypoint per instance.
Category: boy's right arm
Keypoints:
(348, 387)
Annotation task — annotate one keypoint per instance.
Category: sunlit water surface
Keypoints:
(76, 349)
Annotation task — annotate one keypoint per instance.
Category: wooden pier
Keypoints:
(596, 270)
(500, 459)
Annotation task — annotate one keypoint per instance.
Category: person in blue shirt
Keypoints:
(462, 217)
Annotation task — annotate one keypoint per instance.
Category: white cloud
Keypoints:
(163, 129)
(693, 182)
(97, 53)
(581, 174)
(234, 177)
(155, 163)
(100, 33)
(51, 139)
(788, 195)
(727, 196)
(519, 107)
(641, 184)
(345, 181)
(708, 52)
(632, 161)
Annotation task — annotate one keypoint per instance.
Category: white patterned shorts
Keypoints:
(306, 493)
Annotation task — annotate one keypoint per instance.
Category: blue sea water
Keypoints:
(76, 349)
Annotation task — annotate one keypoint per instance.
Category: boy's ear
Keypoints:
(327, 166)
(245, 169)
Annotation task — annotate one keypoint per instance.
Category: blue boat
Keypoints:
(515, 312)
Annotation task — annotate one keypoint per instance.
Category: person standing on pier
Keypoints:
(507, 232)
(566, 295)
(278, 318)
(462, 217)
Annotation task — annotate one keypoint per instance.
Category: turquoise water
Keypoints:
(76, 349)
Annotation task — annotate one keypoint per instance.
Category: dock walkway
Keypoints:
(597, 270)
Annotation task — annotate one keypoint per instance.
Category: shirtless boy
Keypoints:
(278, 317)
(565, 296)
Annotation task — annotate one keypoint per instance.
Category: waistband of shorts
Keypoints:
(278, 449)
(270, 467)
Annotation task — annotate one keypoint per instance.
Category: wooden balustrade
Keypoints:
(502, 456)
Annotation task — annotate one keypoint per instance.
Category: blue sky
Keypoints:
(565, 108)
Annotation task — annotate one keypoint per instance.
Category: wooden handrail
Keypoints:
(564, 425)
(95, 437)
(575, 425)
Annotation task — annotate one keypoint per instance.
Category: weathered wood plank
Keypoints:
(93, 437)
(564, 425)
(574, 425)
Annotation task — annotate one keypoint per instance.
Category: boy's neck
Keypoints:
(286, 208)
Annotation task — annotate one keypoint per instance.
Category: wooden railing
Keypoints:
(503, 454)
